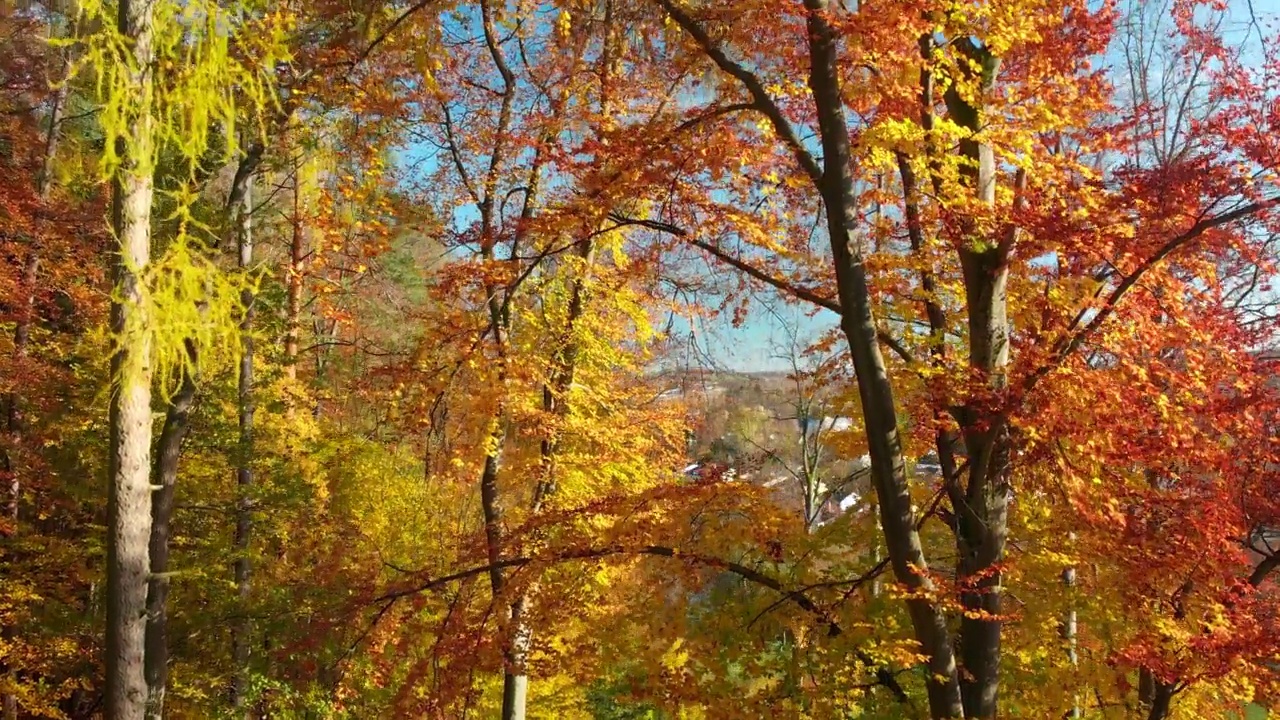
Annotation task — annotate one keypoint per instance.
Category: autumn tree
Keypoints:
(990, 185)
(404, 290)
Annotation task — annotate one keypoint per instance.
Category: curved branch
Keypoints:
(796, 291)
(1069, 344)
(761, 100)
(382, 36)
(1264, 568)
(883, 675)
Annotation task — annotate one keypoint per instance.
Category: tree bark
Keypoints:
(242, 626)
(168, 451)
(1069, 622)
(982, 513)
(514, 680)
(875, 392)
(515, 685)
(129, 499)
(168, 454)
(293, 305)
(1161, 700)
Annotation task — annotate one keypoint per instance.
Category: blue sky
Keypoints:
(752, 347)
(761, 342)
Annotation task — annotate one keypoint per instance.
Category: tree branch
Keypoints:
(1068, 345)
(761, 100)
(1264, 568)
(796, 291)
(883, 675)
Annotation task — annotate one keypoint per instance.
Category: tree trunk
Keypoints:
(129, 498)
(26, 313)
(242, 626)
(1069, 622)
(982, 519)
(875, 392)
(515, 681)
(1161, 700)
(982, 512)
(13, 401)
(168, 451)
(293, 307)
(491, 506)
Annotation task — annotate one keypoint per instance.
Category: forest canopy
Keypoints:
(353, 359)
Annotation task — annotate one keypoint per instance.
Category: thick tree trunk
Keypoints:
(982, 518)
(168, 451)
(129, 498)
(242, 626)
(982, 512)
(1161, 700)
(888, 469)
(129, 503)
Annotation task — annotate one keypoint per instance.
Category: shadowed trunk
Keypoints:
(875, 392)
(1161, 700)
(168, 452)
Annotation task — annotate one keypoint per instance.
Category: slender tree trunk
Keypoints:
(168, 454)
(26, 312)
(888, 468)
(515, 685)
(129, 499)
(242, 626)
(293, 306)
(168, 451)
(1069, 627)
(13, 401)
(810, 478)
(53, 134)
